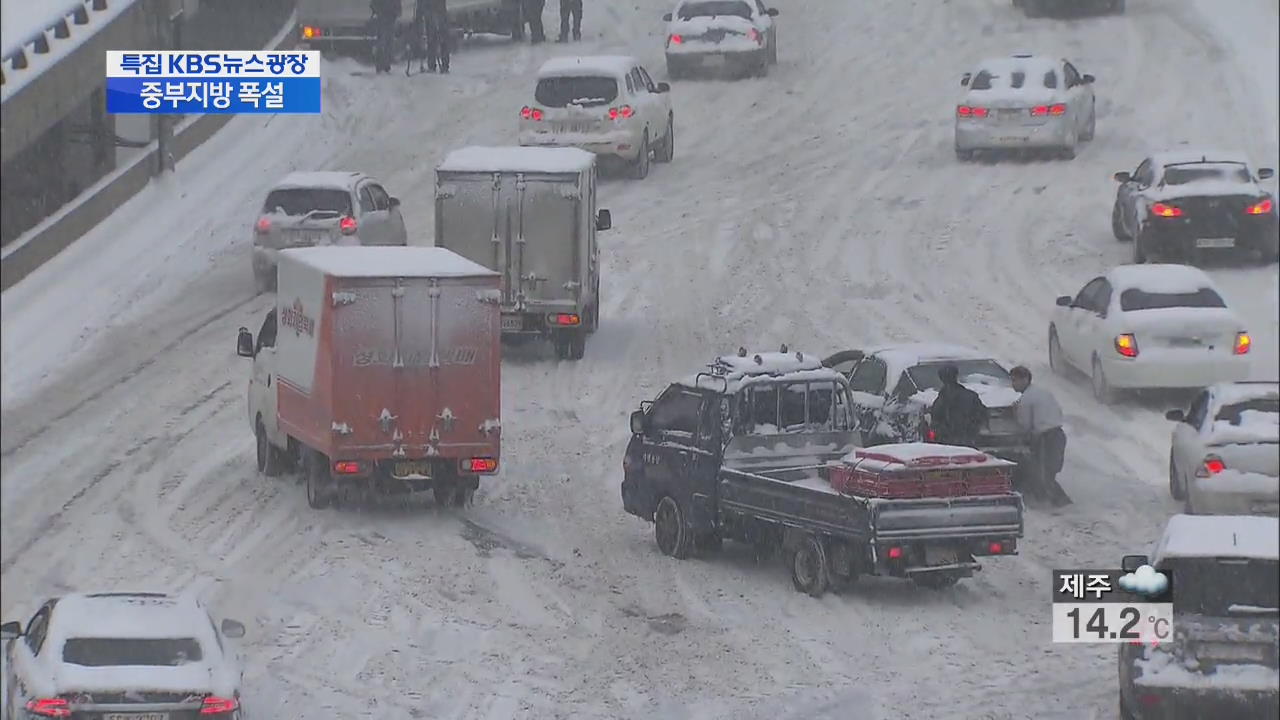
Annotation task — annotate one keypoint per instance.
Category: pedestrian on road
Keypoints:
(434, 16)
(567, 8)
(957, 415)
(532, 12)
(1040, 417)
(386, 13)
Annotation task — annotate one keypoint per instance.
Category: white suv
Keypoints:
(604, 104)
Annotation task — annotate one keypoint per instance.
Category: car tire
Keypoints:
(577, 344)
(269, 461)
(935, 581)
(809, 572)
(1117, 224)
(1057, 363)
(666, 152)
(640, 166)
(773, 50)
(1092, 127)
(1176, 491)
(1140, 247)
(1067, 152)
(1102, 391)
(320, 490)
(673, 537)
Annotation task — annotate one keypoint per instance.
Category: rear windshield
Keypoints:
(1192, 172)
(1135, 299)
(558, 92)
(768, 408)
(105, 652)
(300, 201)
(1211, 586)
(1015, 79)
(1232, 413)
(714, 8)
(981, 372)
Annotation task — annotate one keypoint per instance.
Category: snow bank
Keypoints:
(1220, 536)
(1248, 31)
(388, 262)
(586, 66)
(517, 159)
(1164, 670)
(1160, 278)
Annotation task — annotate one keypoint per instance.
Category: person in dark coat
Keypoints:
(532, 12)
(957, 415)
(567, 8)
(434, 21)
(1040, 417)
(386, 13)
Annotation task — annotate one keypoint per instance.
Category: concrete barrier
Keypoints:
(57, 232)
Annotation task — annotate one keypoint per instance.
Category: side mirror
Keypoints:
(394, 202)
(1064, 301)
(667, 17)
(964, 81)
(1122, 177)
(771, 12)
(664, 87)
(244, 343)
(10, 630)
(1265, 173)
(604, 220)
(1088, 79)
(639, 422)
(1175, 416)
(232, 628)
(1132, 562)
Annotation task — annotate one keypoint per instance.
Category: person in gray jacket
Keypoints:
(1040, 417)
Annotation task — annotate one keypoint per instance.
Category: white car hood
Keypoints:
(195, 677)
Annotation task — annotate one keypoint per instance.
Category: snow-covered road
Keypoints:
(821, 207)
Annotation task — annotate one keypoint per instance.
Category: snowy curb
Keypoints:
(59, 231)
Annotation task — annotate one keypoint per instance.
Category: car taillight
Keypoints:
(1243, 343)
(971, 111)
(930, 434)
(263, 226)
(214, 705)
(1261, 208)
(1042, 110)
(49, 707)
(531, 113)
(479, 465)
(1127, 345)
(894, 553)
(564, 319)
(312, 32)
(1212, 465)
(1162, 210)
(347, 467)
(676, 39)
(347, 225)
(754, 35)
(621, 112)
(995, 547)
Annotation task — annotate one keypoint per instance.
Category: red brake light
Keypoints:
(531, 113)
(677, 39)
(930, 435)
(1127, 345)
(1040, 110)
(1058, 109)
(1243, 343)
(624, 111)
(480, 465)
(263, 227)
(971, 111)
(894, 553)
(347, 225)
(754, 35)
(564, 319)
(214, 705)
(1212, 465)
(347, 467)
(1163, 210)
(996, 548)
(1261, 208)
(49, 707)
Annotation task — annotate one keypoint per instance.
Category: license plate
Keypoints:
(573, 127)
(406, 468)
(713, 60)
(136, 716)
(512, 322)
(1216, 242)
(1018, 139)
(1010, 113)
(934, 556)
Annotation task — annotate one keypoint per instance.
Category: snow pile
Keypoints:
(390, 261)
(1162, 669)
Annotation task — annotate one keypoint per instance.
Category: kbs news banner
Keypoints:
(213, 82)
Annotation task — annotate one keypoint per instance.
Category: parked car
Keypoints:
(1184, 205)
(894, 386)
(323, 208)
(1024, 102)
(1225, 452)
(123, 655)
(1221, 661)
(606, 104)
(1149, 327)
(711, 34)
(1041, 8)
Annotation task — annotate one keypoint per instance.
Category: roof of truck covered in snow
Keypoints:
(128, 615)
(1234, 536)
(1159, 278)
(367, 262)
(588, 65)
(319, 179)
(730, 372)
(517, 159)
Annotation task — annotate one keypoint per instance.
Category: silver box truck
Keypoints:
(529, 214)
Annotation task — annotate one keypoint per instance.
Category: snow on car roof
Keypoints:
(517, 159)
(899, 456)
(730, 372)
(373, 261)
(586, 65)
(1174, 157)
(1228, 393)
(1240, 536)
(321, 179)
(1159, 278)
(128, 615)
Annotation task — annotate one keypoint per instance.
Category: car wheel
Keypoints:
(666, 152)
(319, 483)
(1140, 247)
(269, 460)
(1067, 152)
(640, 167)
(1092, 127)
(577, 344)
(1176, 491)
(1117, 224)
(1057, 363)
(1102, 391)
(669, 530)
(809, 567)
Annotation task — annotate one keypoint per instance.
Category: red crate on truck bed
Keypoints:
(920, 470)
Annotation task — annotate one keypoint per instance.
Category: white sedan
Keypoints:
(605, 104)
(1024, 102)
(734, 34)
(1225, 453)
(122, 655)
(1149, 327)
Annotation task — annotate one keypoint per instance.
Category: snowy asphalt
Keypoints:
(821, 206)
